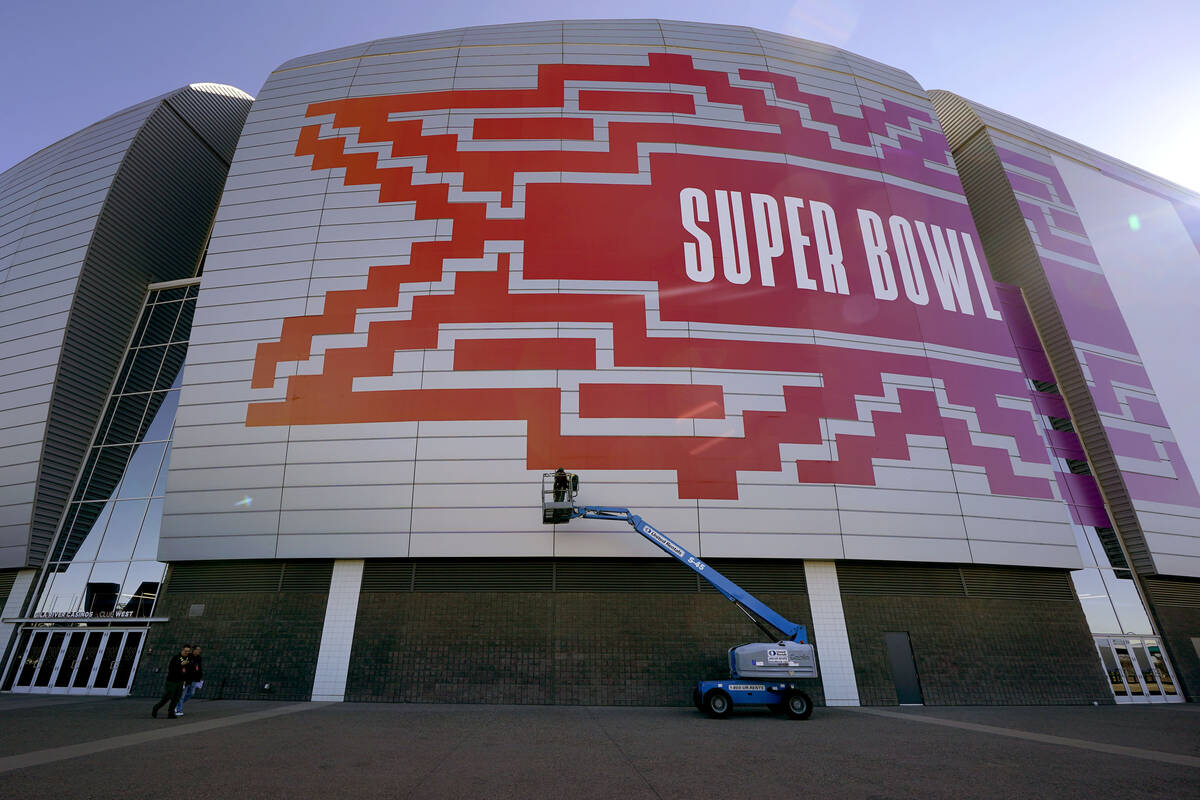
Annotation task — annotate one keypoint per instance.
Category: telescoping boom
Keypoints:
(787, 657)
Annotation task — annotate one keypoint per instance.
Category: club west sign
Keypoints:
(821, 250)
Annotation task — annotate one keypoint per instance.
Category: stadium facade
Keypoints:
(282, 377)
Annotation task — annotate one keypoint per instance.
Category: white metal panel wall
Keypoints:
(290, 230)
(49, 205)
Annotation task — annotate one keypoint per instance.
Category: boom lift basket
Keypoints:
(558, 496)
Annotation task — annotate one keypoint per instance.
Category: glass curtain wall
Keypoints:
(103, 560)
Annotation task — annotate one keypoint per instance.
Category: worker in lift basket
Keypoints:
(561, 484)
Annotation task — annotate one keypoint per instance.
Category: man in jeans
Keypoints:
(194, 678)
(177, 671)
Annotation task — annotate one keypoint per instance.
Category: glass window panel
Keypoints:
(1128, 603)
(65, 593)
(169, 295)
(32, 659)
(70, 660)
(86, 473)
(1112, 668)
(126, 425)
(183, 326)
(171, 365)
(14, 668)
(141, 326)
(147, 543)
(80, 538)
(141, 587)
(133, 643)
(1127, 669)
(165, 406)
(1160, 667)
(122, 531)
(154, 402)
(108, 573)
(87, 659)
(1084, 546)
(1145, 667)
(141, 370)
(1093, 598)
(142, 470)
(162, 323)
(108, 659)
(107, 468)
(49, 659)
(160, 483)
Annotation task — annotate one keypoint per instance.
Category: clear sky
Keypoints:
(1121, 77)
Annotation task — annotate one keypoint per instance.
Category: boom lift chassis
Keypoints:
(760, 673)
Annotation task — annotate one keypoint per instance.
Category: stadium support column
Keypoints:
(829, 634)
(333, 660)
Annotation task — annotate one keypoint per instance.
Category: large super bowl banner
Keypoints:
(762, 271)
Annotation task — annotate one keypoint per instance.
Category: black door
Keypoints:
(904, 669)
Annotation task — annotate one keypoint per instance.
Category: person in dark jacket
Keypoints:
(177, 671)
(561, 484)
(192, 681)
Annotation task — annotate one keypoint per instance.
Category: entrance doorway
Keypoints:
(76, 661)
(1137, 670)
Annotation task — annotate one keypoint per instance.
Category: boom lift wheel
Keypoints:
(798, 705)
(718, 704)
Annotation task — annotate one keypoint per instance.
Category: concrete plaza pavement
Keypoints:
(111, 748)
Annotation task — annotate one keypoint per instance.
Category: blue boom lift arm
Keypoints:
(751, 606)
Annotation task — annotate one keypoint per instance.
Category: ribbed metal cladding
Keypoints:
(249, 576)
(153, 227)
(205, 108)
(895, 578)
(760, 576)
(306, 576)
(575, 575)
(1178, 593)
(1012, 257)
(1030, 584)
(387, 576)
(951, 580)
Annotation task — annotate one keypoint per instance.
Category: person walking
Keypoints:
(177, 671)
(194, 678)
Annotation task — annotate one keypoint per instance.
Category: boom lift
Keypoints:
(760, 673)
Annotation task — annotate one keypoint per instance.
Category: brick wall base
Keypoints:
(249, 640)
(617, 648)
(977, 651)
(610, 648)
(1178, 618)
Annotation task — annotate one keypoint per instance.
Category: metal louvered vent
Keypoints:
(6, 583)
(387, 576)
(250, 576)
(761, 577)
(884, 578)
(1027, 584)
(225, 576)
(1184, 594)
(624, 575)
(306, 576)
(483, 575)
